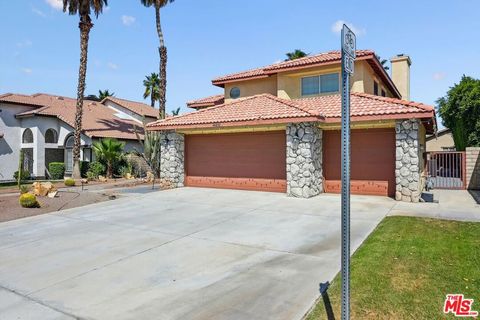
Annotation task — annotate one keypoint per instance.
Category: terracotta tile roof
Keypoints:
(321, 58)
(98, 120)
(139, 108)
(325, 58)
(361, 105)
(207, 101)
(266, 108)
(258, 109)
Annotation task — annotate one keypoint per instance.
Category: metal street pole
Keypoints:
(348, 42)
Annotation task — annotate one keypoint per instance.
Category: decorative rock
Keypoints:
(407, 161)
(172, 154)
(304, 160)
(42, 188)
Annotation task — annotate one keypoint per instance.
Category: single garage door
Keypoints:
(249, 161)
(372, 161)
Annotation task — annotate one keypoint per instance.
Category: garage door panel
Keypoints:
(372, 161)
(253, 161)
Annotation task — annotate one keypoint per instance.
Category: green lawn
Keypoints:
(407, 266)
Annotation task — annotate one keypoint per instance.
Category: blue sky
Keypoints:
(210, 38)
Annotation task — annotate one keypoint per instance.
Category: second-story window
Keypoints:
(235, 92)
(326, 83)
(375, 88)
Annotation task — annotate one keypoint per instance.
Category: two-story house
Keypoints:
(277, 128)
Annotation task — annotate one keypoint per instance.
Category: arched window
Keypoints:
(69, 153)
(51, 136)
(27, 136)
(69, 142)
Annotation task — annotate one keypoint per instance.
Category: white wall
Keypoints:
(124, 111)
(10, 143)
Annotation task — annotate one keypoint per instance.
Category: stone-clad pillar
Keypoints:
(407, 171)
(172, 158)
(304, 160)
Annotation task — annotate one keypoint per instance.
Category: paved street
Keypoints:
(187, 253)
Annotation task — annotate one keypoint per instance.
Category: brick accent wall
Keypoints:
(304, 160)
(473, 168)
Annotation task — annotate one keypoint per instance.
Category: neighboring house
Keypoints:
(42, 125)
(442, 141)
(277, 128)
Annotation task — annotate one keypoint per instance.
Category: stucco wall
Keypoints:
(443, 142)
(252, 87)
(289, 83)
(10, 143)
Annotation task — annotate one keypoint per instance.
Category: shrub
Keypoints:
(90, 175)
(123, 170)
(57, 170)
(24, 189)
(69, 182)
(96, 169)
(84, 167)
(25, 175)
(28, 200)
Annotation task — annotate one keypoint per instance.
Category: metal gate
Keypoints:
(446, 169)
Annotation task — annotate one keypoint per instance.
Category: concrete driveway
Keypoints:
(188, 253)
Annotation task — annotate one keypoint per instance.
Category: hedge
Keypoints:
(57, 170)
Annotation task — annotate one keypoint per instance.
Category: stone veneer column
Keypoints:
(304, 160)
(407, 171)
(172, 158)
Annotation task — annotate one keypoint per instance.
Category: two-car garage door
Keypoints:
(257, 161)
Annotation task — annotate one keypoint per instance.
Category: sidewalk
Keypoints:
(452, 205)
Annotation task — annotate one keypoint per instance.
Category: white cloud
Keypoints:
(38, 12)
(112, 66)
(439, 76)
(55, 4)
(337, 28)
(27, 70)
(23, 44)
(128, 20)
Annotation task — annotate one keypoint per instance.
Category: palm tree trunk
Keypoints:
(152, 100)
(85, 25)
(162, 51)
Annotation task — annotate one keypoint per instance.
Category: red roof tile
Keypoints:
(258, 109)
(98, 120)
(265, 108)
(307, 62)
(207, 101)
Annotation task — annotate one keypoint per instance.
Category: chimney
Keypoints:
(401, 74)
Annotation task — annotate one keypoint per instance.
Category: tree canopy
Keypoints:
(460, 111)
(295, 54)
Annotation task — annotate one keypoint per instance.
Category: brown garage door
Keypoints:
(249, 161)
(372, 161)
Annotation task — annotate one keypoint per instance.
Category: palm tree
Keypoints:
(295, 55)
(108, 150)
(176, 112)
(104, 94)
(152, 88)
(383, 62)
(162, 50)
(83, 9)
